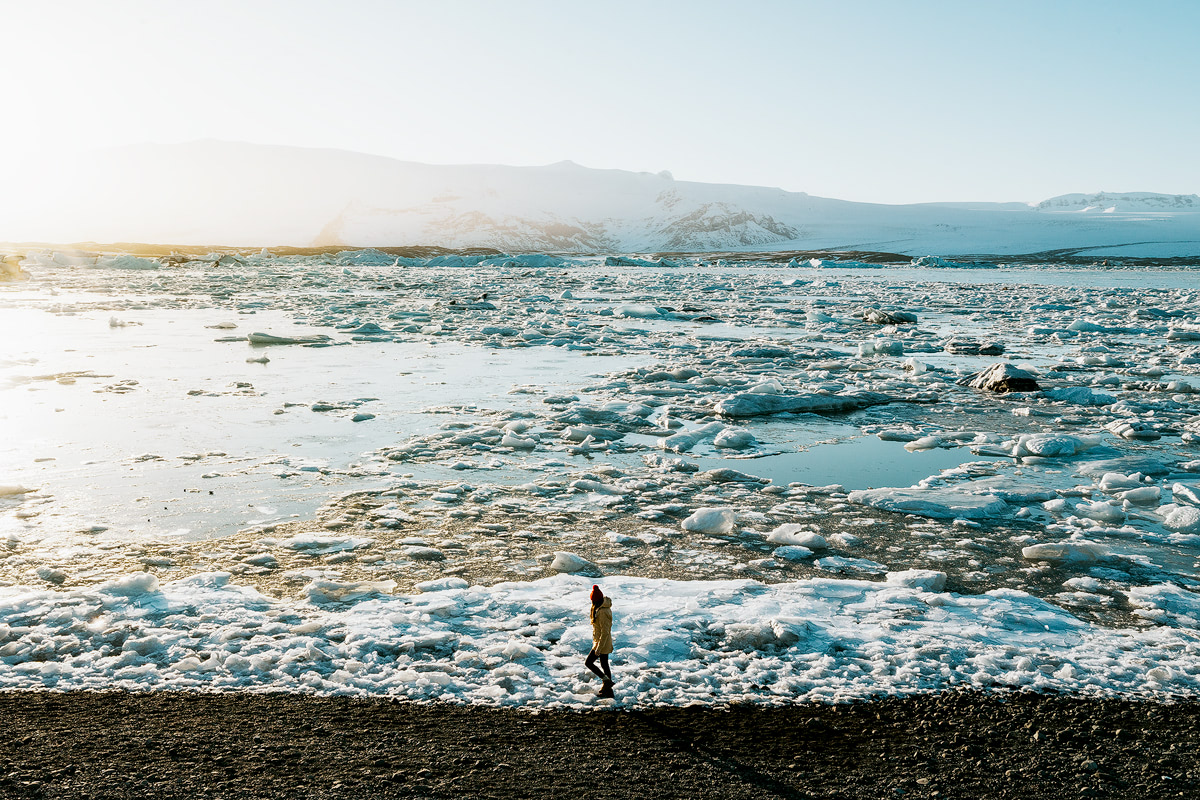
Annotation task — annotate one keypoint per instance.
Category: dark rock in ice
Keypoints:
(966, 346)
(878, 316)
(478, 305)
(323, 406)
(750, 404)
(1001, 378)
(762, 352)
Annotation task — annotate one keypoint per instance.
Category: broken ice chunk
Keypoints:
(840, 564)
(734, 439)
(1069, 552)
(324, 591)
(1102, 512)
(1049, 445)
(419, 553)
(1134, 429)
(636, 311)
(441, 585)
(710, 520)
(267, 338)
(791, 552)
(927, 580)
(683, 442)
(756, 405)
(1080, 396)
(932, 502)
(1186, 493)
(1183, 519)
(572, 563)
(316, 544)
(517, 442)
(794, 534)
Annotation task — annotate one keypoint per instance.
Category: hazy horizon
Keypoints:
(238, 194)
(576, 162)
(864, 101)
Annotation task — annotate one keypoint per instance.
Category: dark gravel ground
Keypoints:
(950, 745)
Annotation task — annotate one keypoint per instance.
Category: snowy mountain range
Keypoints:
(227, 193)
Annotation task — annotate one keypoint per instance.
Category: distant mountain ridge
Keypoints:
(231, 193)
(1105, 202)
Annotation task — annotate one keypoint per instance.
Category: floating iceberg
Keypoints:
(935, 503)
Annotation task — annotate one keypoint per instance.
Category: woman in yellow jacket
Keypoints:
(602, 643)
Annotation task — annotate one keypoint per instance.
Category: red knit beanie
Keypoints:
(597, 596)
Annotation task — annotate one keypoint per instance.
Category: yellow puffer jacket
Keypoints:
(602, 627)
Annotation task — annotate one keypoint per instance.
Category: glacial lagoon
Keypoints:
(449, 450)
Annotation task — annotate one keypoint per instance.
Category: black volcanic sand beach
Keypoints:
(952, 745)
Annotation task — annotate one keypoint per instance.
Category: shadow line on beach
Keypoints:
(695, 749)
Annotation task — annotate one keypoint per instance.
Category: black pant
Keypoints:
(591, 664)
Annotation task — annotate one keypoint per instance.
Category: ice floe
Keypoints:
(935, 503)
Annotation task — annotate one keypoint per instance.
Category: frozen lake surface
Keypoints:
(375, 470)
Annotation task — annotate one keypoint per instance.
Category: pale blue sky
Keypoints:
(879, 101)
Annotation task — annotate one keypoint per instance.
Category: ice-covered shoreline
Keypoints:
(521, 643)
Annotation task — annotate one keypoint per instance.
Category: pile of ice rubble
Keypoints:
(522, 643)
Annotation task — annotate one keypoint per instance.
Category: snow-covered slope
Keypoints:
(240, 194)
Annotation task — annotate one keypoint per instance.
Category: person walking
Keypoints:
(602, 643)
